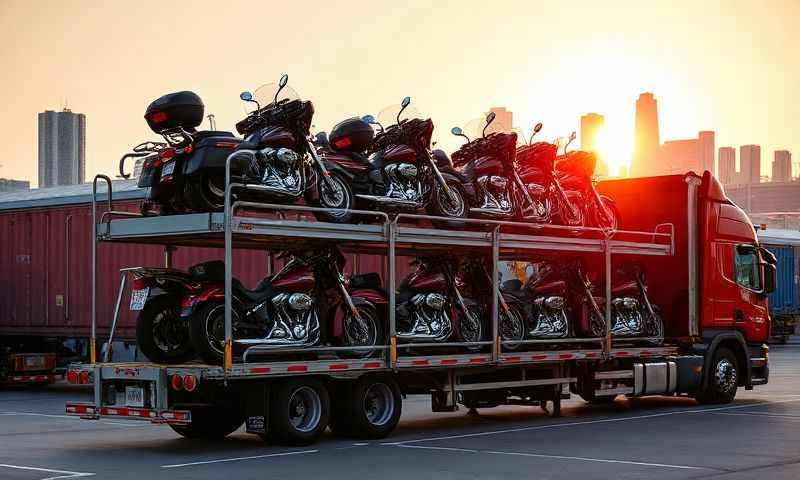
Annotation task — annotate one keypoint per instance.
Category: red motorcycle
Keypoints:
(392, 171)
(431, 308)
(307, 303)
(542, 299)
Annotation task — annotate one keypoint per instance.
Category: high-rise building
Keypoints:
(705, 151)
(10, 185)
(677, 156)
(591, 124)
(750, 163)
(503, 120)
(62, 148)
(646, 136)
(727, 165)
(782, 166)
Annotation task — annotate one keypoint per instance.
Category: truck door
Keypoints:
(750, 309)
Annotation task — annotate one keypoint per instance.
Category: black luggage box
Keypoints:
(180, 109)
(351, 135)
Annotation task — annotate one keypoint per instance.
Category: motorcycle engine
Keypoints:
(291, 312)
(401, 180)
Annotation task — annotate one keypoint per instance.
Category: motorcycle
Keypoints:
(574, 172)
(391, 171)
(431, 308)
(307, 303)
(632, 313)
(157, 293)
(542, 300)
(475, 275)
(487, 165)
(173, 171)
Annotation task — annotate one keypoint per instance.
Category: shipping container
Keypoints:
(784, 302)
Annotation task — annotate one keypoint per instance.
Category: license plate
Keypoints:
(167, 169)
(34, 362)
(134, 396)
(138, 298)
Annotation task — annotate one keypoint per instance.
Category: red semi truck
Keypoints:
(705, 271)
(45, 265)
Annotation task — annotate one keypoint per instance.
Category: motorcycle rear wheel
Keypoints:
(207, 331)
(161, 334)
(205, 192)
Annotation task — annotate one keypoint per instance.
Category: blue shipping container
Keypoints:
(786, 297)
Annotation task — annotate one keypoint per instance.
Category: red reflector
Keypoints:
(176, 382)
(189, 383)
(72, 377)
(228, 145)
(140, 283)
(188, 149)
(158, 117)
(343, 142)
(83, 377)
(166, 154)
(19, 363)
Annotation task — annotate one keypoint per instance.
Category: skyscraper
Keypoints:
(750, 163)
(705, 152)
(591, 124)
(727, 165)
(782, 166)
(503, 120)
(677, 156)
(62, 148)
(646, 136)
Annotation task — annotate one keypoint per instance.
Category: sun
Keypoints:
(614, 147)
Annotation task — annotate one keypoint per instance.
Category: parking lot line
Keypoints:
(60, 474)
(557, 457)
(759, 414)
(236, 459)
(589, 422)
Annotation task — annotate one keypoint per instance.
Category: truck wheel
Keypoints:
(299, 412)
(723, 379)
(369, 408)
(161, 334)
(211, 422)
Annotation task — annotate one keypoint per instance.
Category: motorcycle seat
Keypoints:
(247, 146)
(257, 293)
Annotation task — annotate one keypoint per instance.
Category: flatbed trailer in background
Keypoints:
(291, 395)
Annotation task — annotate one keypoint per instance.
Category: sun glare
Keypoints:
(614, 147)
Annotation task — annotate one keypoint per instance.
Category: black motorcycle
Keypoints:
(542, 299)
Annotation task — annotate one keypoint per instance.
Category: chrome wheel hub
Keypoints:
(725, 375)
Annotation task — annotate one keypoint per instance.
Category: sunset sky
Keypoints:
(730, 66)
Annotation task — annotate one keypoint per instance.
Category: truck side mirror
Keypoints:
(770, 278)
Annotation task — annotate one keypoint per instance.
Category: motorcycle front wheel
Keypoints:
(470, 327)
(367, 333)
(335, 194)
(452, 206)
(654, 326)
(601, 221)
(161, 334)
(574, 216)
(512, 328)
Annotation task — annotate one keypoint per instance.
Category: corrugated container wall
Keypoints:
(786, 297)
(45, 271)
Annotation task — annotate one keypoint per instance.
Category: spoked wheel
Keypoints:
(335, 194)
(573, 214)
(471, 326)
(654, 326)
(368, 408)
(512, 328)
(367, 332)
(597, 325)
(161, 333)
(207, 331)
(609, 220)
(299, 412)
(449, 206)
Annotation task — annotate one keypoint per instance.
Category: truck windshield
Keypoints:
(747, 270)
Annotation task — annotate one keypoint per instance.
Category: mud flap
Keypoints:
(257, 409)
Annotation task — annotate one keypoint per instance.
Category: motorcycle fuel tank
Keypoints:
(547, 288)
(298, 278)
(276, 137)
(488, 165)
(625, 288)
(430, 282)
(399, 154)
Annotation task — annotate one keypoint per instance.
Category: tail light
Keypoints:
(83, 378)
(158, 117)
(72, 377)
(19, 363)
(343, 142)
(176, 382)
(189, 383)
(140, 283)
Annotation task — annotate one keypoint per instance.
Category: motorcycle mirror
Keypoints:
(456, 131)
(281, 83)
(489, 119)
(537, 128)
(246, 96)
(406, 101)
(572, 136)
(368, 119)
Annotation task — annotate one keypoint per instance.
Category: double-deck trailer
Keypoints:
(705, 268)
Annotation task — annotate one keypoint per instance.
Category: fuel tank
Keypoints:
(294, 278)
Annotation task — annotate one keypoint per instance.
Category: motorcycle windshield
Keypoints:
(265, 94)
(388, 115)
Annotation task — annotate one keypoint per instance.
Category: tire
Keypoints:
(372, 337)
(342, 198)
(299, 412)
(654, 327)
(211, 422)
(161, 334)
(472, 330)
(576, 218)
(722, 380)
(440, 205)
(368, 408)
(599, 220)
(207, 331)
(205, 192)
(512, 327)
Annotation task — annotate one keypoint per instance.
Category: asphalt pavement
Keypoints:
(757, 436)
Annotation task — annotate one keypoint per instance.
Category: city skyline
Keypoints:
(705, 78)
(62, 148)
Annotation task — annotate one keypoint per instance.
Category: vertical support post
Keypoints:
(109, 355)
(354, 262)
(93, 338)
(496, 347)
(168, 251)
(270, 264)
(607, 252)
(227, 223)
(392, 232)
(692, 243)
